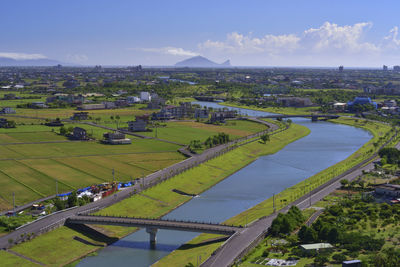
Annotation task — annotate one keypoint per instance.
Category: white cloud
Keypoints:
(21, 56)
(330, 36)
(239, 43)
(169, 50)
(391, 39)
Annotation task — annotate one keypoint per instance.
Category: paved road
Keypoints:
(53, 220)
(235, 246)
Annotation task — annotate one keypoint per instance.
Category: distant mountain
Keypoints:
(201, 62)
(9, 62)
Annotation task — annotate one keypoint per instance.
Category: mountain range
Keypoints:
(202, 62)
(5, 61)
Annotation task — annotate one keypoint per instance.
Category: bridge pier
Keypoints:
(153, 236)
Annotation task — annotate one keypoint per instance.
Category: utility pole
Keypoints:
(56, 187)
(273, 201)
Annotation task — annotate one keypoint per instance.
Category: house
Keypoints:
(38, 105)
(79, 134)
(391, 190)
(316, 246)
(92, 107)
(4, 123)
(9, 96)
(80, 116)
(55, 123)
(7, 110)
(201, 113)
(137, 125)
(116, 138)
(132, 99)
(390, 103)
(338, 106)
(145, 96)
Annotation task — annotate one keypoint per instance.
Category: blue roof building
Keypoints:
(360, 100)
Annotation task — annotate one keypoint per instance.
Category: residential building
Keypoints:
(132, 99)
(80, 116)
(38, 105)
(201, 113)
(7, 110)
(145, 96)
(92, 107)
(116, 138)
(4, 123)
(79, 134)
(390, 103)
(137, 126)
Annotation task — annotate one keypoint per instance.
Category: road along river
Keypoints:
(327, 144)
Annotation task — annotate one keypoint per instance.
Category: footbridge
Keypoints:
(152, 225)
(314, 117)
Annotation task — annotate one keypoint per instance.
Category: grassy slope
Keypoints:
(11, 260)
(158, 200)
(183, 256)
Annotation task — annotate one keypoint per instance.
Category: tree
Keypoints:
(265, 138)
(320, 260)
(72, 199)
(59, 204)
(307, 234)
(339, 258)
(333, 235)
(344, 182)
(63, 130)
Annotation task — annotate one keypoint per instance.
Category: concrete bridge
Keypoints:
(152, 225)
(314, 117)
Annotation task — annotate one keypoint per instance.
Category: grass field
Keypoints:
(159, 200)
(184, 132)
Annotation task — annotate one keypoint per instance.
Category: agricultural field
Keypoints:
(30, 170)
(186, 131)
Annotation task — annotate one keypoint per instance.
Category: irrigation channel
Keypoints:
(327, 144)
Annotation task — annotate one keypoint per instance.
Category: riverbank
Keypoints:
(64, 245)
(278, 110)
(198, 246)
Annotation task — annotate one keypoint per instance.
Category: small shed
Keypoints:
(316, 246)
(352, 263)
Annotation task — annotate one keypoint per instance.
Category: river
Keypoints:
(326, 145)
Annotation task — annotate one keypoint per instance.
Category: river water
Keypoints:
(326, 145)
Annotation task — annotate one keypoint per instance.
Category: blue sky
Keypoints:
(360, 33)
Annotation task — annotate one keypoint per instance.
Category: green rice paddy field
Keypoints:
(31, 170)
